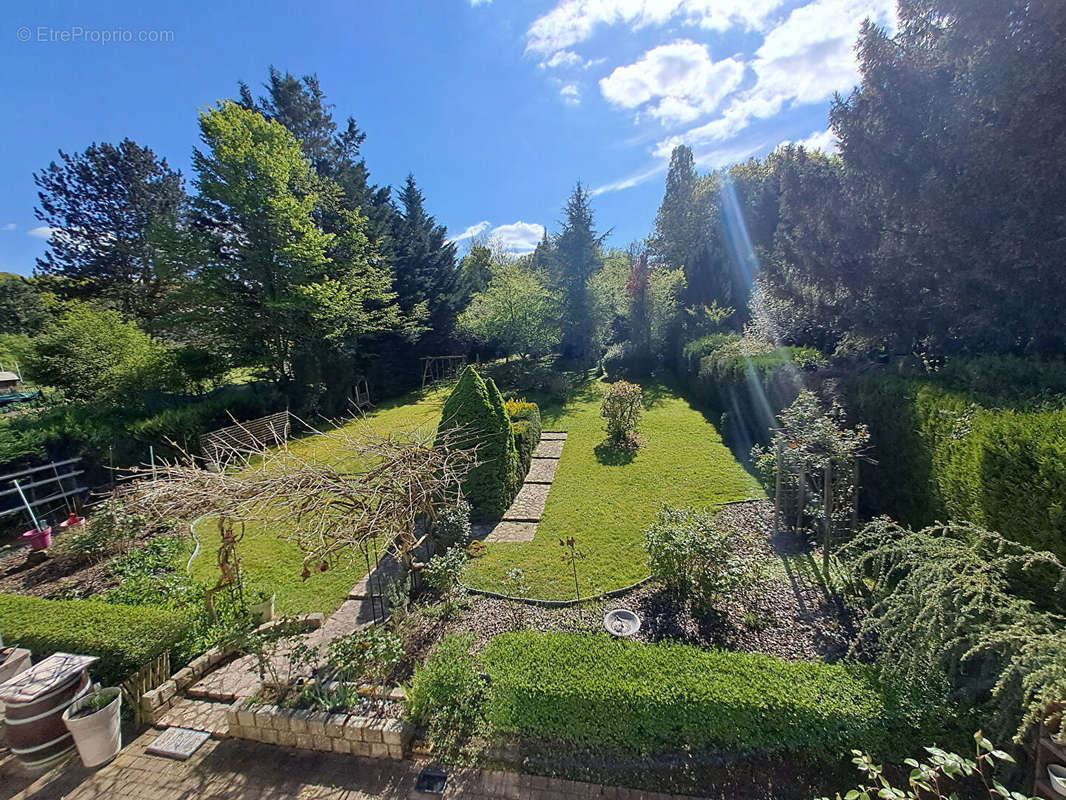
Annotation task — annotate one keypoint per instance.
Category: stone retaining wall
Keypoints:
(157, 702)
(319, 730)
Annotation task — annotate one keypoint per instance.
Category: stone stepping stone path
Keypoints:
(519, 523)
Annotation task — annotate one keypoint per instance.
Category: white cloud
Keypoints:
(826, 141)
(471, 231)
(571, 22)
(518, 237)
(630, 181)
(564, 58)
(476, 3)
(7, 226)
(680, 75)
(41, 231)
(805, 59)
(571, 94)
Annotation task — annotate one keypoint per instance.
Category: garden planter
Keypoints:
(39, 538)
(262, 611)
(97, 733)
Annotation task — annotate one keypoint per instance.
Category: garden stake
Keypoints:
(25, 502)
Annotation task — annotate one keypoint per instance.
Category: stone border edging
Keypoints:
(319, 730)
(536, 601)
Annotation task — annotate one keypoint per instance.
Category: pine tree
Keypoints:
(105, 207)
(425, 273)
(576, 258)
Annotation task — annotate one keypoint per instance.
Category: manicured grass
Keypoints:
(600, 498)
(605, 501)
(270, 561)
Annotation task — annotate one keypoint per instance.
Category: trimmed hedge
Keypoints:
(942, 455)
(746, 381)
(123, 637)
(591, 690)
(526, 427)
(474, 415)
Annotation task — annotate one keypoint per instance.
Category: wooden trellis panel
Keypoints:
(246, 437)
(148, 677)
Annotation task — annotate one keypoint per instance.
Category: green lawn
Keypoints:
(605, 502)
(601, 500)
(268, 560)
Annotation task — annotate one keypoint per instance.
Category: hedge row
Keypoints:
(591, 690)
(745, 381)
(942, 455)
(526, 428)
(122, 637)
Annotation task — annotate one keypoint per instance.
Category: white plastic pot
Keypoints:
(98, 736)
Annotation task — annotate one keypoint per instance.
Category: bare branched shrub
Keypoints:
(372, 488)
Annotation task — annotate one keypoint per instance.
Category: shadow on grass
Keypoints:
(614, 456)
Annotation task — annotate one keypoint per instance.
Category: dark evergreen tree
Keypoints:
(108, 208)
(23, 306)
(300, 105)
(576, 257)
(425, 274)
(475, 272)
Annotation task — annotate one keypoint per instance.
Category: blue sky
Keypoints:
(496, 106)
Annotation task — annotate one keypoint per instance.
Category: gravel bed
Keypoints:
(789, 617)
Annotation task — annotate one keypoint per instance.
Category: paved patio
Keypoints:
(233, 769)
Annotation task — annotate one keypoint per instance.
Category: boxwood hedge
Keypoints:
(591, 690)
(122, 637)
(526, 427)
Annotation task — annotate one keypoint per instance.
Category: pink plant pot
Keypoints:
(39, 539)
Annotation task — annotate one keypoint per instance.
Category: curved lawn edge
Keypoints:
(537, 601)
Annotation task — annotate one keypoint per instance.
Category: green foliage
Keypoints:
(444, 572)
(369, 654)
(961, 610)
(574, 258)
(622, 407)
(942, 454)
(108, 208)
(447, 693)
(24, 309)
(526, 427)
(94, 354)
(109, 527)
(625, 361)
(515, 313)
(452, 525)
(696, 559)
(122, 637)
(474, 416)
(593, 690)
(932, 777)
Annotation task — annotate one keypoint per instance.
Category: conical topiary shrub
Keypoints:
(474, 416)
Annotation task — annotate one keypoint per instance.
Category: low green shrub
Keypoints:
(122, 637)
(942, 455)
(596, 691)
(452, 525)
(697, 559)
(447, 693)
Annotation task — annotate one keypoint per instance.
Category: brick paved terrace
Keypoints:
(234, 769)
